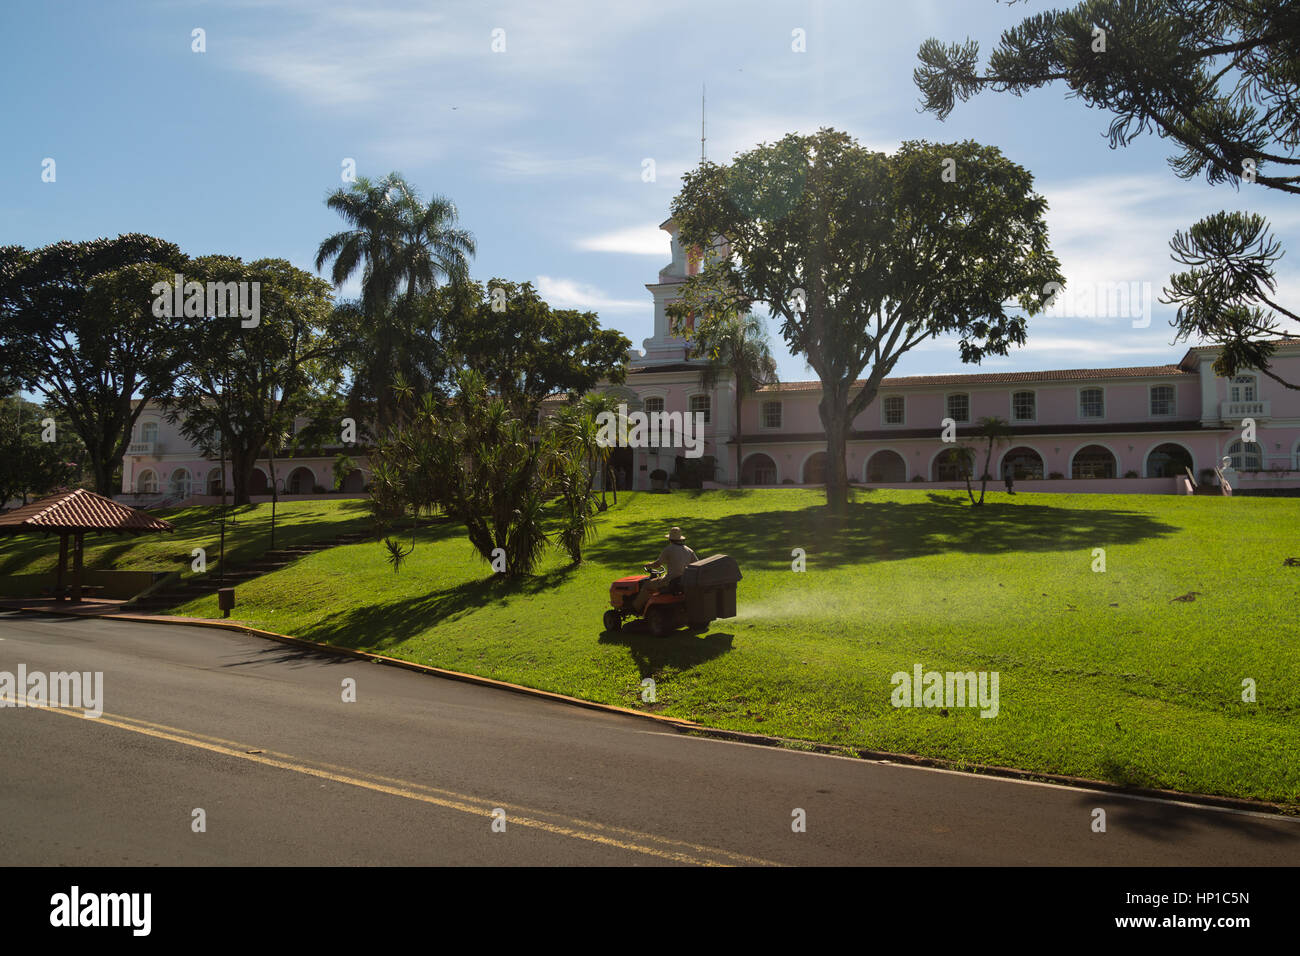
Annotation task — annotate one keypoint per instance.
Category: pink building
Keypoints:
(1097, 430)
(1101, 430)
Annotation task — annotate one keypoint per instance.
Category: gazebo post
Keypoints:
(63, 564)
(76, 566)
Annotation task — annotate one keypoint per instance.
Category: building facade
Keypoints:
(1131, 429)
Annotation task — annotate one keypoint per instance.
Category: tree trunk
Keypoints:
(835, 420)
(241, 474)
(984, 478)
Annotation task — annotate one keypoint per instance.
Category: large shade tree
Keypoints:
(1221, 80)
(861, 256)
(242, 387)
(77, 325)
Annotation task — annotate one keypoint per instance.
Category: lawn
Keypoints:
(248, 536)
(1102, 674)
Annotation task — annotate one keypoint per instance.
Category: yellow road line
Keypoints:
(412, 791)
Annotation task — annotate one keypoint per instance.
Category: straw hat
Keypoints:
(675, 535)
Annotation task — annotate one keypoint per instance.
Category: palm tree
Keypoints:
(736, 346)
(993, 430)
(396, 240)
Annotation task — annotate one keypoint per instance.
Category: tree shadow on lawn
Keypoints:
(884, 531)
(375, 626)
(680, 650)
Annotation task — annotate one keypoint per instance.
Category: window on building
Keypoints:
(1023, 407)
(1246, 456)
(1092, 403)
(959, 407)
(653, 406)
(147, 483)
(1162, 399)
(1243, 388)
(771, 414)
(149, 432)
(893, 408)
(700, 403)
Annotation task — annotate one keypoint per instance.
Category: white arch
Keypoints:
(931, 474)
(803, 465)
(188, 480)
(997, 472)
(1147, 455)
(1069, 465)
(140, 482)
(877, 451)
(770, 457)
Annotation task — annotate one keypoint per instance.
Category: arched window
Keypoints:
(180, 483)
(1246, 456)
(1093, 461)
(954, 464)
(886, 467)
(147, 482)
(814, 469)
(1023, 464)
(1168, 461)
(758, 470)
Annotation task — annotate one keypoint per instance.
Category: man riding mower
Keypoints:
(686, 590)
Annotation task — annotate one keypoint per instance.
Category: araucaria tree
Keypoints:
(1222, 81)
(861, 256)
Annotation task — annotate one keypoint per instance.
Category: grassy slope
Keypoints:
(1102, 674)
(247, 537)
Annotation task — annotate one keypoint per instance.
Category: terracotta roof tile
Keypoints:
(79, 510)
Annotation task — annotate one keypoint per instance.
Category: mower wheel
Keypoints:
(613, 621)
(660, 625)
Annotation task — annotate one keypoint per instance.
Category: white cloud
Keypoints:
(636, 240)
(572, 294)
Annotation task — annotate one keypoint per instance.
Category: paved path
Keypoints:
(257, 735)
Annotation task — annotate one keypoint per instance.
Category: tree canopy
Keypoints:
(861, 256)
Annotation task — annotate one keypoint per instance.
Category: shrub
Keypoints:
(658, 475)
(918, 478)
(1055, 476)
(1133, 474)
(788, 481)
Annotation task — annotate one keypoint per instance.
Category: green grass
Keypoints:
(248, 536)
(1102, 675)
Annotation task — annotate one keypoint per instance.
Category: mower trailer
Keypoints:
(705, 591)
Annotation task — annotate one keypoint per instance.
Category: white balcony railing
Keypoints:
(143, 448)
(1235, 411)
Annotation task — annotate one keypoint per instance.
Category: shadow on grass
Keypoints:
(681, 650)
(887, 531)
(377, 626)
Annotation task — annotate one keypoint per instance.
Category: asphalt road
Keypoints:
(258, 736)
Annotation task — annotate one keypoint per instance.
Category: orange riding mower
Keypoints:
(705, 591)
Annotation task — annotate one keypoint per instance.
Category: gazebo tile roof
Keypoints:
(79, 510)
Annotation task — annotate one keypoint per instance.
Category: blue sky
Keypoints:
(542, 146)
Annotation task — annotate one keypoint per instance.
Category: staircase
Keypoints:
(199, 585)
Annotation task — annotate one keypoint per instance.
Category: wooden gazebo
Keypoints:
(73, 513)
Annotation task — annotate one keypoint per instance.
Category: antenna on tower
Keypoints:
(702, 137)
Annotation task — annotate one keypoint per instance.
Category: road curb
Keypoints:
(695, 729)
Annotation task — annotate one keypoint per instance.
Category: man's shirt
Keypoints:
(675, 557)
